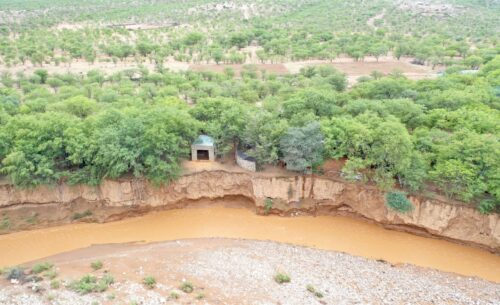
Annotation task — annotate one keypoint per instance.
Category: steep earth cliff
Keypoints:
(290, 195)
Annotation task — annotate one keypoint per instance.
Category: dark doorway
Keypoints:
(202, 155)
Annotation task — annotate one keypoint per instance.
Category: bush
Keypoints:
(149, 282)
(81, 215)
(16, 273)
(187, 287)
(311, 288)
(96, 265)
(268, 205)
(200, 296)
(50, 274)
(41, 267)
(89, 283)
(282, 278)
(488, 206)
(55, 284)
(398, 202)
(174, 295)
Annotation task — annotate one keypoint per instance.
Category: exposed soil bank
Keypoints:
(291, 195)
(228, 271)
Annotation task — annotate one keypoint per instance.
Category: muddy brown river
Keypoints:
(324, 232)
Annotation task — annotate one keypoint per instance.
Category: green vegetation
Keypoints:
(96, 265)
(315, 292)
(268, 205)
(55, 284)
(430, 136)
(149, 282)
(99, 31)
(282, 278)
(50, 274)
(5, 224)
(80, 215)
(41, 267)
(187, 287)
(398, 202)
(15, 273)
(174, 295)
(89, 283)
(200, 296)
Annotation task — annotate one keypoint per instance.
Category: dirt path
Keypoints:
(228, 271)
(371, 21)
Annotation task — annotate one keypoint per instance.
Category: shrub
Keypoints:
(187, 287)
(398, 202)
(89, 283)
(80, 215)
(174, 295)
(149, 282)
(16, 273)
(41, 267)
(282, 278)
(5, 223)
(268, 205)
(96, 265)
(55, 284)
(200, 296)
(488, 206)
(311, 288)
(50, 274)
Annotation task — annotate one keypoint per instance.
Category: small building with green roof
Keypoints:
(203, 149)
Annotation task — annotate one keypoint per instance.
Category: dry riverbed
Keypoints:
(230, 271)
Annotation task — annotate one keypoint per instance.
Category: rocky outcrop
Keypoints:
(291, 195)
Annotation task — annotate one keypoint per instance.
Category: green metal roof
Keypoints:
(204, 140)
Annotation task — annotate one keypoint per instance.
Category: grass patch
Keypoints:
(149, 282)
(315, 292)
(200, 296)
(33, 219)
(268, 205)
(80, 215)
(174, 295)
(15, 273)
(398, 202)
(5, 223)
(50, 274)
(89, 283)
(282, 278)
(55, 284)
(96, 265)
(41, 267)
(187, 287)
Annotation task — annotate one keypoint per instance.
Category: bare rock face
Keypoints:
(312, 195)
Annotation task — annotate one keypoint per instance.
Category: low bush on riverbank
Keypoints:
(89, 283)
(149, 282)
(282, 278)
(80, 215)
(268, 205)
(187, 287)
(41, 267)
(398, 202)
(96, 265)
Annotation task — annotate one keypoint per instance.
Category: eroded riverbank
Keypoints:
(337, 233)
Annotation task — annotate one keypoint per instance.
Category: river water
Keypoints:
(324, 232)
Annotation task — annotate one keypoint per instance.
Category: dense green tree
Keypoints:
(302, 147)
